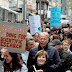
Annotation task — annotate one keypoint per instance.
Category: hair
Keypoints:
(55, 37)
(28, 35)
(41, 52)
(65, 41)
(66, 29)
(48, 29)
(69, 35)
(15, 62)
(45, 33)
(27, 40)
(66, 34)
(36, 44)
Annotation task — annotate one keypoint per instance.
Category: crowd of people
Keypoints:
(48, 51)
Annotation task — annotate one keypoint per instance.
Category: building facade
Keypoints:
(42, 7)
(6, 14)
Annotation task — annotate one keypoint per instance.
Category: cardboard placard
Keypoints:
(13, 36)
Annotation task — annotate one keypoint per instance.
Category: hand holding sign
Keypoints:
(3, 50)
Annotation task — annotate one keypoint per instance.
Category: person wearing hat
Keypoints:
(45, 21)
(66, 58)
(53, 31)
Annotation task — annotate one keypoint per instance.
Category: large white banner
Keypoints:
(35, 24)
(48, 14)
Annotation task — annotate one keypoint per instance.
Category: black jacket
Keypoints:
(66, 60)
(53, 60)
(1, 58)
(44, 67)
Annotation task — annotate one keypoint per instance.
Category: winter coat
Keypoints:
(44, 67)
(53, 60)
(23, 69)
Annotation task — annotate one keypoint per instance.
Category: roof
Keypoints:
(8, 9)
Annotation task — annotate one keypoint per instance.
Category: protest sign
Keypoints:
(48, 14)
(55, 17)
(65, 21)
(13, 36)
(35, 24)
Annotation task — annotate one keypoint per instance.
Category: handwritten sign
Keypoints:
(55, 17)
(13, 36)
(35, 24)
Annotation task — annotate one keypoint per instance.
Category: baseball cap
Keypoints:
(56, 42)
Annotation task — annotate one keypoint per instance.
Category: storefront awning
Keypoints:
(12, 11)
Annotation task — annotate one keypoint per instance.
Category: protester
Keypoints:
(47, 30)
(29, 44)
(54, 59)
(51, 39)
(61, 37)
(66, 58)
(53, 31)
(12, 62)
(66, 45)
(35, 36)
(41, 58)
(69, 38)
(66, 30)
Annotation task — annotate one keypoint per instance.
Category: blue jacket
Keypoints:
(53, 60)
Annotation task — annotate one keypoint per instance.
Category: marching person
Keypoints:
(41, 58)
(53, 60)
(12, 62)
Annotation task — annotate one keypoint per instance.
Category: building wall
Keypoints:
(44, 8)
(4, 3)
(63, 6)
(69, 15)
(3, 12)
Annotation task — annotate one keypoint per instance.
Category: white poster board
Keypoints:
(35, 24)
(48, 14)
(64, 21)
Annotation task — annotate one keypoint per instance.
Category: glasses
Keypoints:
(42, 39)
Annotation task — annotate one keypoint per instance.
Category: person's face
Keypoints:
(41, 60)
(65, 46)
(54, 32)
(36, 37)
(61, 36)
(69, 40)
(65, 37)
(43, 40)
(8, 57)
(51, 38)
(66, 30)
(30, 45)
